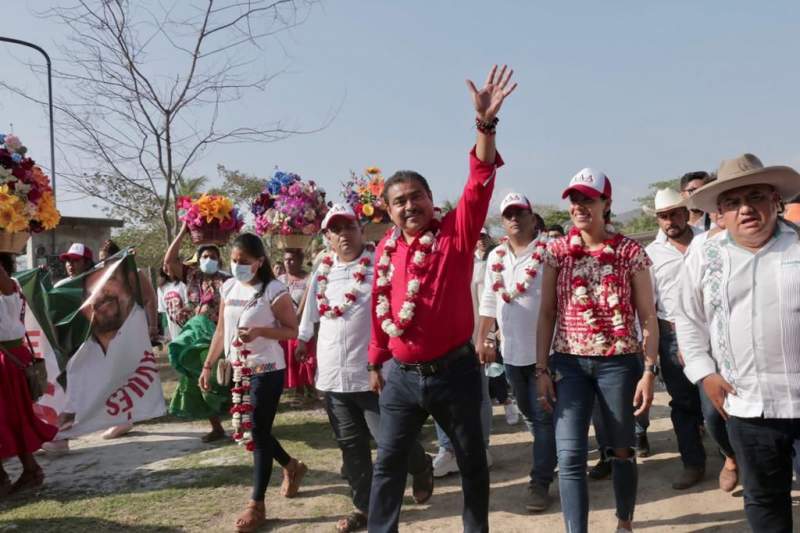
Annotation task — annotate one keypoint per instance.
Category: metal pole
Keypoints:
(50, 109)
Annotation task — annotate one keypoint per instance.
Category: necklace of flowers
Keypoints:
(610, 284)
(383, 286)
(242, 409)
(359, 276)
(520, 287)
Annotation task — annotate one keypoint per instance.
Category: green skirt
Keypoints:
(187, 353)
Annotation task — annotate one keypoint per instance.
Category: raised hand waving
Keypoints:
(489, 99)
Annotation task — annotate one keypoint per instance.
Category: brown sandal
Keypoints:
(293, 474)
(352, 522)
(252, 518)
(30, 479)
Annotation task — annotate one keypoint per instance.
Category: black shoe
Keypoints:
(602, 470)
(690, 476)
(642, 445)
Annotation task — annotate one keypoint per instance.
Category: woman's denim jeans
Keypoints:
(578, 381)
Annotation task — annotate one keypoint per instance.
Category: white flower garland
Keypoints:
(520, 287)
(383, 307)
(242, 410)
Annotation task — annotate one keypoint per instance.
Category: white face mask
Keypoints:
(208, 265)
(242, 273)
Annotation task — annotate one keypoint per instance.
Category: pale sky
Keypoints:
(641, 90)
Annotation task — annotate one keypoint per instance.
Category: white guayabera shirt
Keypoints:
(517, 319)
(739, 315)
(342, 342)
(666, 273)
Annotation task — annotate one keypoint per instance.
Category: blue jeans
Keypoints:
(486, 418)
(453, 397)
(355, 417)
(764, 448)
(539, 422)
(578, 381)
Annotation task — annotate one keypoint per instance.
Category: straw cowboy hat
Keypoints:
(745, 170)
(666, 200)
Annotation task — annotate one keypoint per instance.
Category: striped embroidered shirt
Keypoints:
(739, 315)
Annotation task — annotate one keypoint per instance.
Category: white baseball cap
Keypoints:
(76, 251)
(515, 199)
(590, 182)
(338, 210)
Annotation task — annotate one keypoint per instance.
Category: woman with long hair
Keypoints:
(255, 313)
(595, 282)
(21, 431)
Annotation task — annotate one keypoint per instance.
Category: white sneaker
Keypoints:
(489, 460)
(444, 463)
(512, 414)
(56, 447)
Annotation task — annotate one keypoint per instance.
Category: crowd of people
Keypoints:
(438, 319)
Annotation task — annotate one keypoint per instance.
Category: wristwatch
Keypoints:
(374, 368)
(652, 369)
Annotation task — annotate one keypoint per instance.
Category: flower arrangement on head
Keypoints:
(289, 206)
(365, 195)
(26, 198)
(210, 215)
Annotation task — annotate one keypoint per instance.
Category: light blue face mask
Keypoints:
(494, 370)
(208, 265)
(242, 273)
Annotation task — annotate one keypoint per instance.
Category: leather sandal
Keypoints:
(29, 479)
(293, 474)
(252, 518)
(352, 522)
(422, 483)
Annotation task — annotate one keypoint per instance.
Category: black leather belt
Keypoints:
(430, 368)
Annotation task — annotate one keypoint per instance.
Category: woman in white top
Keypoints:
(256, 309)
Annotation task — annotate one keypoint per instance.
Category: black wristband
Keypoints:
(371, 367)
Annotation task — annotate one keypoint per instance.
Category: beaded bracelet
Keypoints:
(487, 127)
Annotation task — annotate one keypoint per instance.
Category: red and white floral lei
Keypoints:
(359, 276)
(242, 410)
(385, 271)
(610, 284)
(499, 285)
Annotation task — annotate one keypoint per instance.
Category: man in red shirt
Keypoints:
(422, 317)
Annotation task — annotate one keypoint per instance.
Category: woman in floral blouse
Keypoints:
(595, 283)
(198, 318)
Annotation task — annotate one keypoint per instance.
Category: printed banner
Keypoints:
(92, 332)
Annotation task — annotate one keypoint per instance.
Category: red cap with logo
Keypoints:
(590, 182)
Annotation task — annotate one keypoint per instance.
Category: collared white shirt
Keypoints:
(665, 273)
(517, 319)
(740, 316)
(341, 342)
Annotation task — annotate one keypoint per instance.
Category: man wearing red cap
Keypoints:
(77, 260)
(423, 319)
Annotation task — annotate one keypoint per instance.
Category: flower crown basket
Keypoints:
(285, 242)
(13, 243)
(210, 234)
(374, 232)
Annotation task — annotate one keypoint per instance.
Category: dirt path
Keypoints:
(164, 456)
